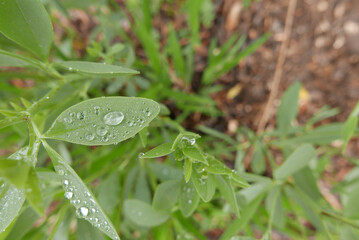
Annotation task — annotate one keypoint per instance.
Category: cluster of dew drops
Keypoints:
(104, 131)
(85, 205)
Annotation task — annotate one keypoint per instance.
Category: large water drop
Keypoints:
(113, 118)
(82, 212)
(68, 195)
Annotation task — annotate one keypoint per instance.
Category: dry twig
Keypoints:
(279, 67)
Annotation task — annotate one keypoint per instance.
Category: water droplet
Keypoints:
(192, 141)
(190, 201)
(70, 68)
(97, 110)
(131, 123)
(96, 220)
(90, 136)
(68, 120)
(65, 182)
(61, 172)
(68, 195)
(101, 131)
(82, 212)
(113, 118)
(140, 154)
(105, 138)
(72, 114)
(80, 115)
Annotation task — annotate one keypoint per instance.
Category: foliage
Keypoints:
(153, 179)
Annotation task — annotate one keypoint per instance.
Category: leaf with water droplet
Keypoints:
(193, 153)
(81, 198)
(189, 198)
(204, 184)
(12, 198)
(143, 214)
(184, 137)
(103, 121)
(95, 69)
(159, 151)
(166, 195)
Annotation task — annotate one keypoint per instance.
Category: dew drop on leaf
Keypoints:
(101, 131)
(113, 118)
(82, 212)
(90, 136)
(80, 115)
(68, 195)
(65, 182)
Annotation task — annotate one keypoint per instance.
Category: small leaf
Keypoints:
(33, 192)
(187, 169)
(16, 172)
(189, 199)
(186, 138)
(143, 214)
(204, 184)
(143, 136)
(288, 108)
(80, 197)
(217, 167)
(159, 151)
(295, 162)
(166, 195)
(238, 180)
(193, 153)
(27, 23)
(274, 206)
(225, 187)
(103, 121)
(95, 69)
(348, 129)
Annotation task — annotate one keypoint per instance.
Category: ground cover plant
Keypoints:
(95, 150)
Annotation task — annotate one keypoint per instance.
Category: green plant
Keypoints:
(153, 179)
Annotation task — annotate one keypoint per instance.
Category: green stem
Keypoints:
(340, 219)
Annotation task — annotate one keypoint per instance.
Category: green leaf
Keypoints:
(274, 206)
(193, 153)
(108, 193)
(351, 207)
(238, 180)
(143, 214)
(95, 69)
(166, 195)
(217, 167)
(348, 129)
(16, 172)
(79, 195)
(204, 184)
(185, 138)
(239, 223)
(189, 199)
(103, 121)
(10, 61)
(143, 136)
(258, 163)
(295, 162)
(187, 169)
(33, 192)
(142, 191)
(305, 180)
(225, 187)
(288, 108)
(159, 151)
(27, 23)
(85, 231)
(11, 201)
(174, 48)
